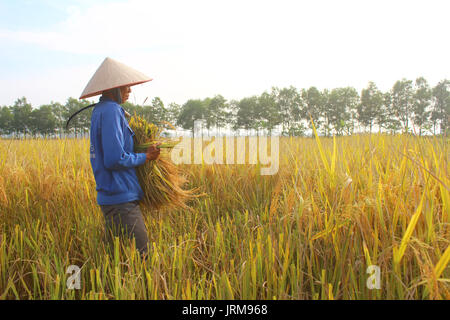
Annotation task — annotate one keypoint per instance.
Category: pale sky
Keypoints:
(194, 49)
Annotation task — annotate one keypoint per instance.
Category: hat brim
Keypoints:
(106, 89)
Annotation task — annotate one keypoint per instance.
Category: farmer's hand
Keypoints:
(153, 151)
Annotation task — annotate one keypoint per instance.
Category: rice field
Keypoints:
(311, 231)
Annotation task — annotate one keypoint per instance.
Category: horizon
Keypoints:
(147, 101)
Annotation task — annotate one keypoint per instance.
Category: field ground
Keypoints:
(311, 231)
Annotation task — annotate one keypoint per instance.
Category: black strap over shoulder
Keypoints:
(68, 121)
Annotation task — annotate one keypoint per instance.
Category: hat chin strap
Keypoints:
(117, 95)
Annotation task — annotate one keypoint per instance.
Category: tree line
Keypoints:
(409, 107)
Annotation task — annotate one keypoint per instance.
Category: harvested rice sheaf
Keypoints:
(161, 180)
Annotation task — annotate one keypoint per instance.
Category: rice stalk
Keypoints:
(161, 180)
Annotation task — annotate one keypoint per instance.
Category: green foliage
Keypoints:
(216, 111)
(192, 110)
(6, 120)
(313, 101)
(370, 105)
(21, 111)
(247, 113)
(441, 109)
(417, 108)
(289, 105)
(421, 102)
(43, 120)
(402, 100)
(343, 103)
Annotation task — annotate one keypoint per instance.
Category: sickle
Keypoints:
(90, 106)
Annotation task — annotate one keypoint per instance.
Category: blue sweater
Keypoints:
(112, 158)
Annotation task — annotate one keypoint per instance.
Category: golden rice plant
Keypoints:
(308, 232)
(161, 180)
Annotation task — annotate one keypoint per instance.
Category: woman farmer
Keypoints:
(111, 151)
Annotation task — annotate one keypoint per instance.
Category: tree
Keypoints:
(173, 112)
(441, 106)
(216, 111)
(190, 111)
(247, 113)
(313, 100)
(21, 111)
(381, 117)
(334, 111)
(289, 104)
(59, 112)
(160, 112)
(402, 97)
(387, 117)
(421, 102)
(370, 105)
(267, 111)
(6, 120)
(352, 99)
(342, 101)
(43, 120)
(82, 122)
(325, 108)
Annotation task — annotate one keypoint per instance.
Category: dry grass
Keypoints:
(308, 232)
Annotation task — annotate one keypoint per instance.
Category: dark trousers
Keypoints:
(125, 220)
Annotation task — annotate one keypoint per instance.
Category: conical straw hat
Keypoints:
(112, 74)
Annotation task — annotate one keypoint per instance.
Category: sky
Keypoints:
(196, 49)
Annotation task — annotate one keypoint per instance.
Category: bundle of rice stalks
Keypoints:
(161, 180)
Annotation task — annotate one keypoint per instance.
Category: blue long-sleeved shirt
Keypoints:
(112, 158)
